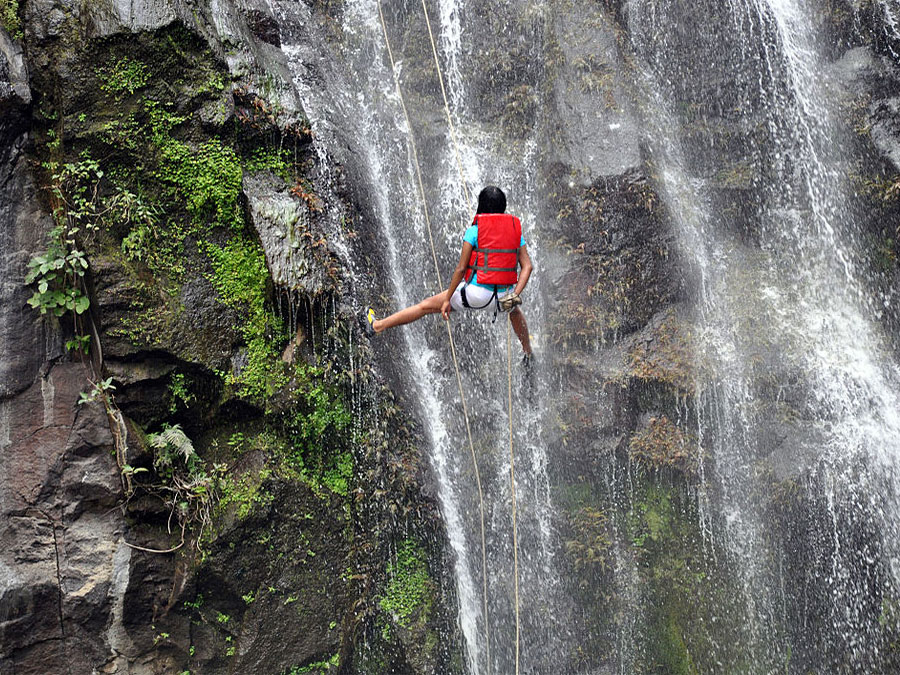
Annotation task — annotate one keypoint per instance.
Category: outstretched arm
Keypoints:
(525, 264)
(458, 275)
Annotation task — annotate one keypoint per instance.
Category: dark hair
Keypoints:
(491, 200)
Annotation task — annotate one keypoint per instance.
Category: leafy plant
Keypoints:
(188, 487)
(99, 390)
(241, 278)
(79, 343)
(9, 18)
(409, 588)
(58, 273)
(123, 77)
(179, 392)
(78, 211)
(207, 177)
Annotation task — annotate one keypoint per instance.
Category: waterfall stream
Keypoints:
(795, 380)
(794, 302)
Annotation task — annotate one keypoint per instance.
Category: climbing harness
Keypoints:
(465, 190)
(468, 305)
(437, 271)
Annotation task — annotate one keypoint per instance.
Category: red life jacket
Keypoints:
(496, 257)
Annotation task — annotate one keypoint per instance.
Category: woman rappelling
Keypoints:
(487, 274)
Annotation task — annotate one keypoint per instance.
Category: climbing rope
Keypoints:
(512, 484)
(437, 271)
(512, 462)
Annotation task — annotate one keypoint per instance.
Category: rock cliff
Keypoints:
(184, 486)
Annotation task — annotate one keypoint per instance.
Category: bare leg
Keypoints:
(520, 327)
(430, 305)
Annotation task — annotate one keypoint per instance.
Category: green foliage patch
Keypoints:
(318, 451)
(123, 77)
(317, 668)
(241, 279)
(206, 179)
(409, 592)
(9, 18)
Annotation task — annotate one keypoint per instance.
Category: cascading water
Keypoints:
(785, 296)
(369, 114)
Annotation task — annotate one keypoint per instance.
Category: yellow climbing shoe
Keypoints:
(368, 321)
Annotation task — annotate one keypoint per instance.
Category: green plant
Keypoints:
(123, 77)
(244, 492)
(317, 433)
(9, 18)
(58, 273)
(409, 590)
(241, 279)
(278, 162)
(187, 486)
(196, 603)
(317, 668)
(207, 178)
(78, 211)
(130, 471)
(179, 392)
(98, 390)
(79, 343)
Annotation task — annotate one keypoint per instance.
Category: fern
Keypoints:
(172, 444)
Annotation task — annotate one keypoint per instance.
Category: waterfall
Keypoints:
(787, 295)
(366, 114)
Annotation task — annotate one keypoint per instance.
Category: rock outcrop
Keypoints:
(256, 540)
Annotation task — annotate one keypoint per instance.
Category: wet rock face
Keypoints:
(21, 224)
(282, 574)
(62, 529)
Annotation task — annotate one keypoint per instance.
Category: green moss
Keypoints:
(409, 593)
(9, 18)
(123, 77)
(241, 279)
(244, 493)
(318, 450)
(672, 655)
(206, 178)
(317, 668)
(337, 477)
(652, 517)
(277, 161)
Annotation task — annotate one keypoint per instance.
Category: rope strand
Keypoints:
(512, 466)
(512, 484)
(462, 396)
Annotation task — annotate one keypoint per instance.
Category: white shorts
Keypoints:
(478, 297)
